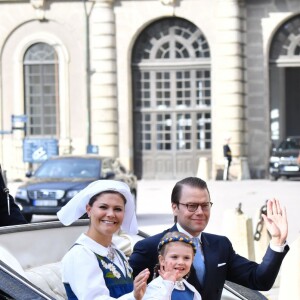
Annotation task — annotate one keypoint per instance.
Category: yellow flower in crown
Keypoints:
(177, 238)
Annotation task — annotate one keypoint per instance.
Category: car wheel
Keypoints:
(273, 177)
(28, 217)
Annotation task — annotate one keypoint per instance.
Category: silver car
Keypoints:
(283, 160)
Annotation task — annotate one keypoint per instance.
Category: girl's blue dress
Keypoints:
(182, 295)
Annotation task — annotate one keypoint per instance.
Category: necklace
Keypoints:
(110, 253)
(179, 285)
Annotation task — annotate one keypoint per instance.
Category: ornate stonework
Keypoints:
(167, 2)
(39, 6)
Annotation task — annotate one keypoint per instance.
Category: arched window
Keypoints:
(286, 42)
(284, 73)
(41, 90)
(171, 97)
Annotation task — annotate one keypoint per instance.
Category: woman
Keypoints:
(176, 254)
(93, 268)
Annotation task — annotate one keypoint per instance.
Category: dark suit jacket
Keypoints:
(221, 263)
(15, 217)
(227, 152)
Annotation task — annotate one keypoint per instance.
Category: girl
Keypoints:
(93, 268)
(176, 253)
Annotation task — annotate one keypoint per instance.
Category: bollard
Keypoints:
(238, 228)
(203, 168)
(290, 273)
(243, 172)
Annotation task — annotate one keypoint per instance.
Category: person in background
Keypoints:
(94, 268)
(10, 213)
(176, 254)
(227, 158)
(191, 205)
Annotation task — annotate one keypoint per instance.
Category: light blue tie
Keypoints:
(198, 262)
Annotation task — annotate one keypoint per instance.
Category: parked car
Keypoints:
(60, 178)
(31, 268)
(283, 160)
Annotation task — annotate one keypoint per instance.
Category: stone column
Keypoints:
(228, 82)
(104, 118)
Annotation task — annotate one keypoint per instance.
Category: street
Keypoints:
(154, 212)
(154, 202)
(154, 205)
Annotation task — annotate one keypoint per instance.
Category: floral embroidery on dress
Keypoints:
(113, 272)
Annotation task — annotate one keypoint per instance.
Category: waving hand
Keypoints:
(276, 222)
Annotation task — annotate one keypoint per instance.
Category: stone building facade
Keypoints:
(157, 83)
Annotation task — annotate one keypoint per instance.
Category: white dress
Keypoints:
(80, 268)
(159, 289)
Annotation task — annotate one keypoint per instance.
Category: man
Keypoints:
(191, 208)
(10, 213)
(228, 158)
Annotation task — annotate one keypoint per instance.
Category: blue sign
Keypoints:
(19, 118)
(92, 149)
(38, 150)
(5, 132)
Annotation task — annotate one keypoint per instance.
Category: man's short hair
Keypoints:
(190, 181)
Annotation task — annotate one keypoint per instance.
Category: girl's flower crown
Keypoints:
(178, 238)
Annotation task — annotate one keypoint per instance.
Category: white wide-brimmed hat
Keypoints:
(76, 207)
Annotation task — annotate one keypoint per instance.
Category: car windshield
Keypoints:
(290, 145)
(69, 168)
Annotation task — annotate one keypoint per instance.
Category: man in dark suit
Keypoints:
(10, 213)
(228, 158)
(191, 208)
